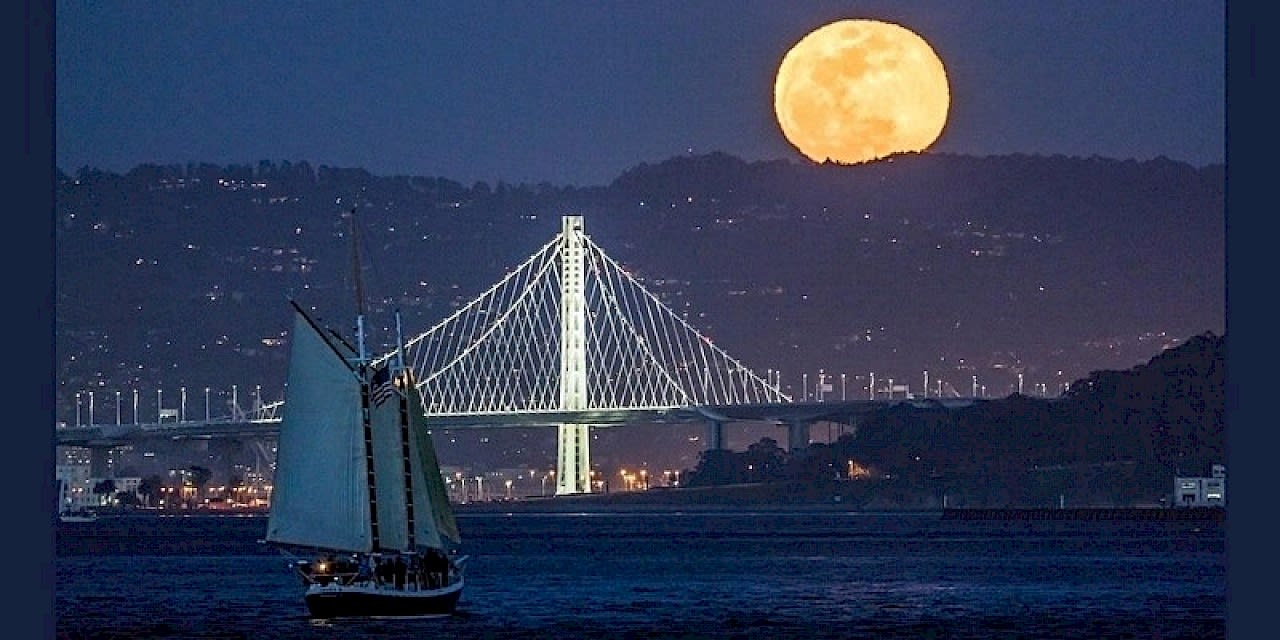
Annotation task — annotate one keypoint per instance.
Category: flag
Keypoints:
(381, 387)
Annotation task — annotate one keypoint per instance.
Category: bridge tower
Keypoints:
(573, 461)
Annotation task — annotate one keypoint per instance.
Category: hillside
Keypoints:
(1044, 268)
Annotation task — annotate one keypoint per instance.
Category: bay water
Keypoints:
(668, 573)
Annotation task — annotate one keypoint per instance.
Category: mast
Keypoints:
(402, 378)
(355, 269)
(362, 370)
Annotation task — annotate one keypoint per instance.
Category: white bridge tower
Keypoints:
(573, 462)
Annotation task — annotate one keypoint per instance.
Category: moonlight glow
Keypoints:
(857, 90)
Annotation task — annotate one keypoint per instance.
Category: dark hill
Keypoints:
(1048, 267)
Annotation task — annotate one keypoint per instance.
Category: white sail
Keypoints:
(389, 467)
(432, 496)
(320, 496)
(407, 453)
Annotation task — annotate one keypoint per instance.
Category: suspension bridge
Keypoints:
(569, 339)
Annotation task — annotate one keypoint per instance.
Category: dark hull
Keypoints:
(334, 601)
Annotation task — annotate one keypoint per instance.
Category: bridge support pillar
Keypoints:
(100, 462)
(715, 435)
(798, 435)
(573, 464)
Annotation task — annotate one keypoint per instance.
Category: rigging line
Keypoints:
(685, 324)
(608, 292)
(480, 339)
(416, 339)
(456, 329)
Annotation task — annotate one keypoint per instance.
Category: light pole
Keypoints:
(842, 384)
(135, 406)
(90, 407)
(206, 404)
(117, 407)
(77, 408)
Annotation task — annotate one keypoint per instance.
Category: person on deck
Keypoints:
(399, 572)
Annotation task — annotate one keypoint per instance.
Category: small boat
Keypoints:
(358, 484)
(77, 515)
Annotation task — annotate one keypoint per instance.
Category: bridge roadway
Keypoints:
(796, 415)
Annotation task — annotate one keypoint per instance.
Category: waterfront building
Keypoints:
(1201, 491)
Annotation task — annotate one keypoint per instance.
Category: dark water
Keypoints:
(756, 574)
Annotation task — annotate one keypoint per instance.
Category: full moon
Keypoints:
(859, 90)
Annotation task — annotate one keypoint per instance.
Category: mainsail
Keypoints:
(423, 503)
(320, 495)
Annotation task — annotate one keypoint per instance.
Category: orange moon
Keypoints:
(858, 90)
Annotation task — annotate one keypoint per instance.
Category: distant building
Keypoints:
(1202, 492)
(75, 488)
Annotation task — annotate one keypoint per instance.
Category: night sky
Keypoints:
(575, 92)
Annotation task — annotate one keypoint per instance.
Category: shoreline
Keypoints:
(1189, 514)
(777, 497)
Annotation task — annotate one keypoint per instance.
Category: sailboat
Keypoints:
(358, 485)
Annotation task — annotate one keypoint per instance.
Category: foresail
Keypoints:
(320, 494)
(433, 498)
